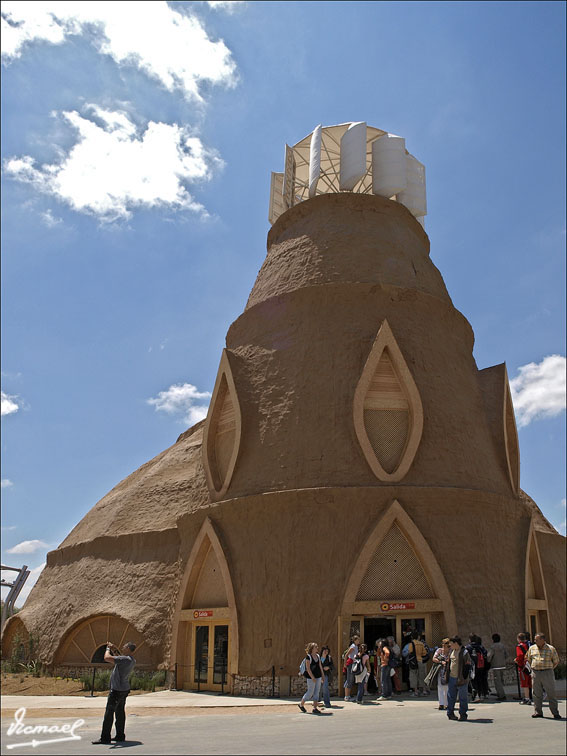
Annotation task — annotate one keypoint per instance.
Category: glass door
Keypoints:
(201, 657)
(210, 656)
(220, 654)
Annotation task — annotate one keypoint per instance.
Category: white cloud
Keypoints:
(27, 547)
(168, 44)
(9, 404)
(114, 168)
(6, 483)
(8, 527)
(230, 6)
(50, 220)
(538, 390)
(182, 399)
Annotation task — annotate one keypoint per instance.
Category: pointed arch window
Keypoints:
(396, 559)
(388, 414)
(534, 581)
(394, 571)
(221, 440)
(537, 606)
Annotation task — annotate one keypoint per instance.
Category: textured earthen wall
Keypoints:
(277, 599)
(347, 238)
(134, 577)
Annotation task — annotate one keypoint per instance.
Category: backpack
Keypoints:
(412, 658)
(427, 655)
(479, 660)
(392, 659)
(303, 667)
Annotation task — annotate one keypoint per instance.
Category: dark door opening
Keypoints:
(378, 627)
(416, 624)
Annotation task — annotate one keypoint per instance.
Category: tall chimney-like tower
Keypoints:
(356, 472)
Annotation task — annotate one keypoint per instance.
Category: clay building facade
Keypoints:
(356, 472)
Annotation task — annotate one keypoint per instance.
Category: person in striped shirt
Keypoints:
(543, 659)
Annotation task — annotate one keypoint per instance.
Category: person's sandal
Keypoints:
(316, 711)
(302, 708)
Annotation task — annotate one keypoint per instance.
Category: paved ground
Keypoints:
(187, 723)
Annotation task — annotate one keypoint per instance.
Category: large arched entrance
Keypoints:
(205, 638)
(396, 586)
(537, 615)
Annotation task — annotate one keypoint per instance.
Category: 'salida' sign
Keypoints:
(387, 607)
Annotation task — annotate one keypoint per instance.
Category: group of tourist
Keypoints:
(457, 670)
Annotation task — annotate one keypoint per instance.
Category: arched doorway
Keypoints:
(205, 636)
(396, 586)
(537, 616)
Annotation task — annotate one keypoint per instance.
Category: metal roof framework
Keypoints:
(339, 158)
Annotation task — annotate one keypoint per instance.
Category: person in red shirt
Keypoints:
(525, 676)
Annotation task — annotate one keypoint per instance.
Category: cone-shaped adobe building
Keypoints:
(356, 470)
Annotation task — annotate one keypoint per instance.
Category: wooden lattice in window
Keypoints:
(394, 572)
(221, 440)
(437, 629)
(388, 415)
(387, 432)
(225, 432)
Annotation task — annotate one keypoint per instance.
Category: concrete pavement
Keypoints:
(162, 699)
(176, 699)
(265, 726)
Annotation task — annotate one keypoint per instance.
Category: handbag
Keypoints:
(357, 667)
(432, 675)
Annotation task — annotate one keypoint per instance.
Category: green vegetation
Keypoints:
(101, 680)
(24, 656)
(138, 680)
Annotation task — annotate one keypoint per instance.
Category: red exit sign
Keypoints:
(204, 613)
(400, 606)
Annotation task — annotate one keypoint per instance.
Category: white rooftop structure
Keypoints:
(349, 157)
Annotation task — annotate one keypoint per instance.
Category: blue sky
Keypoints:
(137, 145)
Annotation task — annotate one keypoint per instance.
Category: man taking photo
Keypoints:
(119, 689)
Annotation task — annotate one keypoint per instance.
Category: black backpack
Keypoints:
(393, 659)
(412, 658)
